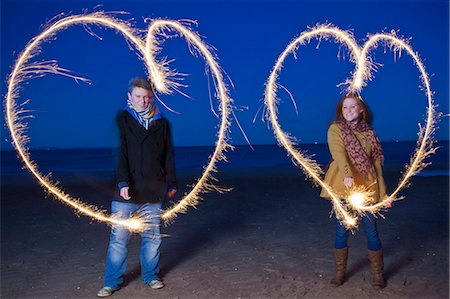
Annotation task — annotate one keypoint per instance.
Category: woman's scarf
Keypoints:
(145, 116)
(358, 157)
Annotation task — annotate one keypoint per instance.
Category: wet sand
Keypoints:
(270, 237)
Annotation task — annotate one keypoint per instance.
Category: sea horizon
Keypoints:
(397, 154)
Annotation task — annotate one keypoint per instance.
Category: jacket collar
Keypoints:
(138, 130)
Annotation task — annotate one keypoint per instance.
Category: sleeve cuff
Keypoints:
(122, 184)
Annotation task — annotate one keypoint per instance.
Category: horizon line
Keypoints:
(187, 146)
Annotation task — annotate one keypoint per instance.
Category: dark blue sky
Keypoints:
(248, 36)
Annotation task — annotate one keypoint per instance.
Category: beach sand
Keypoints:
(270, 237)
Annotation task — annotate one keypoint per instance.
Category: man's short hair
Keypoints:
(140, 82)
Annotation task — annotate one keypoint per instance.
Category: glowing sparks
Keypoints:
(363, 72)
(202, 184)
(359, 198)
(158, 72)
(135, 224)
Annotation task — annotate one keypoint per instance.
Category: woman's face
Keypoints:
(351, 110)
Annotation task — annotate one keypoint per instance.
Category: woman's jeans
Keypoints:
(369, 224)
(116, 260)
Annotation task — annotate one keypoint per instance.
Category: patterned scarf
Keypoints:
(358, 157)
(146, 116)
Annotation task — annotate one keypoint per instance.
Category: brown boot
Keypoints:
(377, 264)
(340, 261)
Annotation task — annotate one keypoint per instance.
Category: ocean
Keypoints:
(397, 154)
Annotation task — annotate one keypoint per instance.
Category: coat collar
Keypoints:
(138, 130)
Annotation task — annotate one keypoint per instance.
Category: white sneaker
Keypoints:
(156, 284)
(106, 292)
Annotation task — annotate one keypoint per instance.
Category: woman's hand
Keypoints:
(348, 182)
(389, 204)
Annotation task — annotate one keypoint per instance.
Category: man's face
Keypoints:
(141, 98)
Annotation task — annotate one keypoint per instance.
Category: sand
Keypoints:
(270, 237)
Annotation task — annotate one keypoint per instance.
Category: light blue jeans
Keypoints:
(116, 260)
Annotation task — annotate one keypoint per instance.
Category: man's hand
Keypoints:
(348, 182)
(171, 193)
(124, 193)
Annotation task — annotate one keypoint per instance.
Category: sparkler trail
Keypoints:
(357, 200)
(202, 184)
(160, 74)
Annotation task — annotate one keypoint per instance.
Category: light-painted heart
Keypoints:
(159, 74)
(348, 212)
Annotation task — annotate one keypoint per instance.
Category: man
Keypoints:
(146, 175)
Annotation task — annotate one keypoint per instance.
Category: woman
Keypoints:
(356, 160)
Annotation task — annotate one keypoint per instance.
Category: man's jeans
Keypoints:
(116, 260)
(369, 224)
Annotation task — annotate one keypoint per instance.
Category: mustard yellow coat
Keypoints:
(341, 167)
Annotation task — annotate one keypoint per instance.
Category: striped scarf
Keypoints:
(145, 116)
(358, 157)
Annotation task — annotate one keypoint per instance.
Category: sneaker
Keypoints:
(156, 284)
(106, 292)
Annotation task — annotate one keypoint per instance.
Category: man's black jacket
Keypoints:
(146, 161)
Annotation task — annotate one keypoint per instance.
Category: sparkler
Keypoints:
(359, 197)
(364, 68)
(159, 73)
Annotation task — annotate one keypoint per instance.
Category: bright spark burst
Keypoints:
(159, 73)
(363, 72)
(359, 198)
